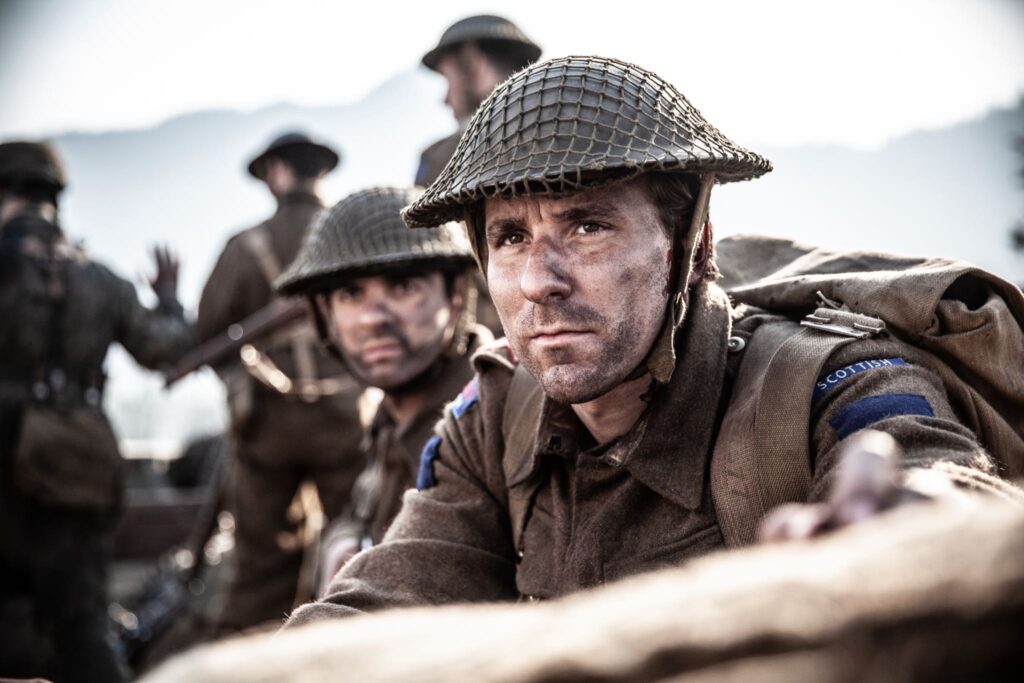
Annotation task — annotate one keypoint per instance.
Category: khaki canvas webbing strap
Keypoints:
(762, 458)
(300, 337)
(518, 427)
(257, 241)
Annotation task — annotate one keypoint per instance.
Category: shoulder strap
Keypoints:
(300, 336)
(762, 458)
(257, 243)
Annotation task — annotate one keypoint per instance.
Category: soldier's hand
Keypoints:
(165, 282)
(867, 482)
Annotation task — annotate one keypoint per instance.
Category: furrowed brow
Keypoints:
(502, 226)
(587, 212)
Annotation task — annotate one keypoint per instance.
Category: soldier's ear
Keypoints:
(457, 291)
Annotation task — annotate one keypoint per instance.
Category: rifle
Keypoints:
(272, 317)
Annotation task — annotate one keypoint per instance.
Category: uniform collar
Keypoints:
(300, 197)
(669, 446)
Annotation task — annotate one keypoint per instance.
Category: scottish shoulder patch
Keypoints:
(469, 395)
(836, 377)
(425, 479)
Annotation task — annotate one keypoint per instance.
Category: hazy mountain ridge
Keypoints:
(949, 192)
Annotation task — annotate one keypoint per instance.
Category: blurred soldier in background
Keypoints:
(396, 305)
(293, 408)
(474, 55)
(60, 472)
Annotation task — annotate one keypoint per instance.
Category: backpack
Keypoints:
(967, 323)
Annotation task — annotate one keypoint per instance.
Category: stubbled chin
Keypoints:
(572, 383)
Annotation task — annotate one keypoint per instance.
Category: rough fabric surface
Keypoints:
(929, 592)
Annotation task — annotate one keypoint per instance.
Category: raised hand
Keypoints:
(165, 281)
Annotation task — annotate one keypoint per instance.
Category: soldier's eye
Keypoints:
(508, 239)
(406, 286)
(346, 294)
(589, 228)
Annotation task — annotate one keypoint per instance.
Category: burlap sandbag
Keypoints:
(929, 592)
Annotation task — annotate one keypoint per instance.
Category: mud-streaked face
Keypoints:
(391, 328)
(580, 284)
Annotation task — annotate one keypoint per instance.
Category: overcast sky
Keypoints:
(768, 73)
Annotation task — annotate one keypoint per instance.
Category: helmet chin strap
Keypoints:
(661, 360)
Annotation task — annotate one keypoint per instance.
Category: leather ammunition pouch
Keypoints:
(67, 457)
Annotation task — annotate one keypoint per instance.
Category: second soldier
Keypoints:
(395, 305)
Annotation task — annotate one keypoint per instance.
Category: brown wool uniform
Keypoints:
(434, 158)
(394, 453)
(281, 440)
(597, 514)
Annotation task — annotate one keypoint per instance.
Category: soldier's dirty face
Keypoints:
(458, 97)
(391, 328)
(580, 284)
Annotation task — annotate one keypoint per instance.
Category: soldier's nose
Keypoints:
(374, 314)
(544, 277)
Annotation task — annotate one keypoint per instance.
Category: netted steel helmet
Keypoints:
(570, 123)
(484, 27)
(363, 234)
(31, 162)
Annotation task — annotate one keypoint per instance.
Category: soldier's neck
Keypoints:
(610, 416)
(403, 408)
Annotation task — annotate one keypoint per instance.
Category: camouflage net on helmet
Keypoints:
(575, 122)
(364, 233)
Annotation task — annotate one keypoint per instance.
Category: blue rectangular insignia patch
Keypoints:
(425, 478)
(470, 395)
(868, 411)
(826, 383)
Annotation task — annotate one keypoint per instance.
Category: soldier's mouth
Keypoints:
(557, 337)
(380, 350)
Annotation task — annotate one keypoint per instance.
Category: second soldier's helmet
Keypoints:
(570, 123)
(24, 162)
(363, 234)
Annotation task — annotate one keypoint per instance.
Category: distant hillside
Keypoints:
(944, 192)
(950, 192)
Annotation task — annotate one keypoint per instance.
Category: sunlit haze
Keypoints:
(779, 73)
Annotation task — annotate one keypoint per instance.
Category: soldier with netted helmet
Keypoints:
(592, 448)
(60, 468)
(396, 307)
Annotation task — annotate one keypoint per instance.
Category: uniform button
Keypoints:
(519, 556)
(736, 344)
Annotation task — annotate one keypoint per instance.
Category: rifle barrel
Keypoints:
(272, 317)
